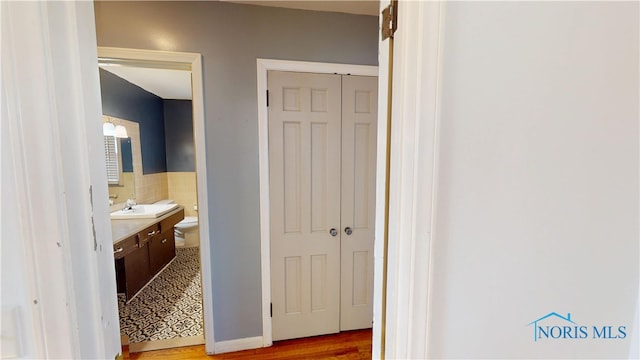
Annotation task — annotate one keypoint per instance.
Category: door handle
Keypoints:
(333, 232)
(348, 230)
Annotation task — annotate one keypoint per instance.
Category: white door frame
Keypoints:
(195, 61)
(264, 65)
(59, 301)
(417, 82)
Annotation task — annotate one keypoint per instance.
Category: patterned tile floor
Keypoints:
(170, 306)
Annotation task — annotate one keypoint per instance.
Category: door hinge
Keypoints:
(267, 98)
(390, 20)
(271, 309)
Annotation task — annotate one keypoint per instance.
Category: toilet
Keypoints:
(186, 231)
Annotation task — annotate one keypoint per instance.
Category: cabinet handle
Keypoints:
(153, 233)
(164, 241)
(118, 250)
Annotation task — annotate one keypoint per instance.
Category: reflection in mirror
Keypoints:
(121, 183)
(125, 170)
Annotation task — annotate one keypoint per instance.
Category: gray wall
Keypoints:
(230, 37)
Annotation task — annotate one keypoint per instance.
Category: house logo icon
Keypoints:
(555, 326)
(554, 331)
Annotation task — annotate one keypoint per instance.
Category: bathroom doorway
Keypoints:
(174, 308)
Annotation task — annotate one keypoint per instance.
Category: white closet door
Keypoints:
(359, 118)
(304, 176)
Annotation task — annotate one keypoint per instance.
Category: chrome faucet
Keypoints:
(129, 204)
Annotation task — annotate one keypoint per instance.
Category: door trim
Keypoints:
(413, 186)
(58, 261)
(263, 66)
(194, 60)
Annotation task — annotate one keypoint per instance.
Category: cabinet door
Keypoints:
(138, 271)
(162, 249)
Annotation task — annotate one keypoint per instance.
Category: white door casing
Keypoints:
(58, 298)
(194, 62)
(304, 176)
(359, 118)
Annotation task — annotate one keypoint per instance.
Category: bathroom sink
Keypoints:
(145, 211)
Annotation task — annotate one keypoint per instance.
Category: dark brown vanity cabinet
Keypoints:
(141, 256)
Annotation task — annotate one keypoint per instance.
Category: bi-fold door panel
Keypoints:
(304, 176)
(359, 118)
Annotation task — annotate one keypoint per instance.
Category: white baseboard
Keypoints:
(238, 345)
(166, 343)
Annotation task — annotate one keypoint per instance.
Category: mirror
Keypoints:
(129, 162)
(124, 186)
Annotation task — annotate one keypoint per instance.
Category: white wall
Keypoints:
(537, 199)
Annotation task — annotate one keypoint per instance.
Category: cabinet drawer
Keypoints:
(171, 221)
(146, 234)
(124, 247)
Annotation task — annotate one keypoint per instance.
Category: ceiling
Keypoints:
(176, 84)
(359, 7)
(167, 84)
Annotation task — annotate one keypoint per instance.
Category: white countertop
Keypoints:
(122, 229)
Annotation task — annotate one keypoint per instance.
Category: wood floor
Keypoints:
(346, 345)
